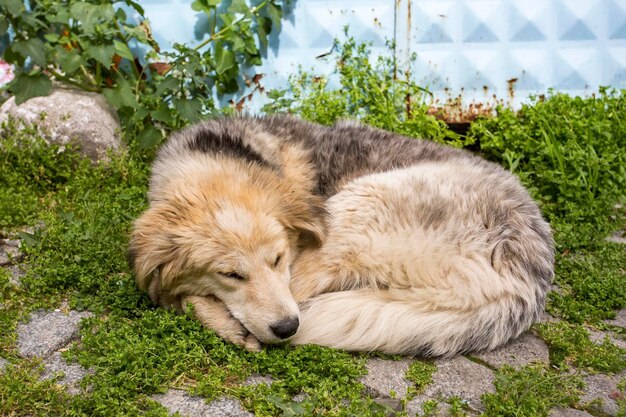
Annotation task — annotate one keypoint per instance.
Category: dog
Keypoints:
(351, 237)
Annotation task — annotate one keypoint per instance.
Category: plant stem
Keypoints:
(72, 82)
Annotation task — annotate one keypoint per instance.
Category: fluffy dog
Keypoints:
(345, 236)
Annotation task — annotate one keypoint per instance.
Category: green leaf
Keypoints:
(33, 48)
(51, 37)
(227, 19)
(149, 137)
(122, 50)
(239, 6)
(189, 110)
(101, 53)
(276, 13)
(121, 96)
(70, 60)
(163, 114)
(224, 59)
(91, 14)
(4, 27)
(167, 85)
(14, 7)
(26, 86)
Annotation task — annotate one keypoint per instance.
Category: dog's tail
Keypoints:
(396, 322)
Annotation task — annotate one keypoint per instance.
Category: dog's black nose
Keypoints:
(286, 327)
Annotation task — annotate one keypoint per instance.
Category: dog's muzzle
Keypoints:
(286, 327)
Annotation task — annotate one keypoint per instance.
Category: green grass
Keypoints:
(568, 151)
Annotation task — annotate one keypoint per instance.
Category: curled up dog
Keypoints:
(346, 236)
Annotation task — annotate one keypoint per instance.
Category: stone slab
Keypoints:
(619, 320)
(72, 373)
(3, 364)
(384, 376)
(568, 412)
(456, 377)
(258, 379)
(521, 351)
(177, 401)
(47, 332)
(602, 387)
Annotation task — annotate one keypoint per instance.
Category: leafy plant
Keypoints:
(90, 45)
(530, 392)
(369, 90)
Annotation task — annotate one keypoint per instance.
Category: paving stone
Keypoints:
(599, 337)
(521, 351)
(456, 377)
(602, 387)
(258, 379)
(9, 254)
(619, 320)
(47, 332)
(385, 375)
(177, 401)
(72, 372)
(617, 237)
(568, 412)
(3, 363)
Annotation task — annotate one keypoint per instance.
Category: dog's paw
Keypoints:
(252, 343)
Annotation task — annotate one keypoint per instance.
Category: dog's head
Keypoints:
(233, 236)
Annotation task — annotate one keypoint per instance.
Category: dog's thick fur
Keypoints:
(387, 243)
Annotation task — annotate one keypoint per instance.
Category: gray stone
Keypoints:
(521, 351)
(3, 363)
(392, 405)
(47, 332)
(68, 115)
(617, 237)
(384, 376)
(72, 373)
(568, 412)
(456, 377)
(599, 337)
(177, 401)
(258, 379)
(619, 320)
(9, 255)
(604, 388)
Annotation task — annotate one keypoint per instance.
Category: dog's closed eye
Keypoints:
(232, 275)
(277, 261)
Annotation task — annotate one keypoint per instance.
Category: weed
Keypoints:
(530, 391)
(570, 344)
(420, 373)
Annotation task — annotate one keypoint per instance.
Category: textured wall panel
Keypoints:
(476, 50)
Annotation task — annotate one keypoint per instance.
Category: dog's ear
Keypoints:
(307, 216)
(152, 252)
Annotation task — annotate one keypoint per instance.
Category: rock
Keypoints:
(617, 237)
(619, 320)
(17, 272)
(568, 412)
(392, 405)
(3, 364)
(258, 379)
(604, 388)
(68, 115)
(47, 332)
(456, 377)
(72, 373)
(521, 351)
(177, 401)
(385, 375)
(9, 255)
(598, 337)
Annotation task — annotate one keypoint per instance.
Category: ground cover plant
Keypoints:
(570, 153)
